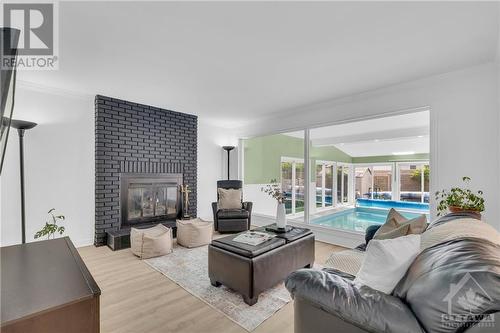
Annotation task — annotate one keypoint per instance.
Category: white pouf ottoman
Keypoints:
(151, 242)
(194, 232)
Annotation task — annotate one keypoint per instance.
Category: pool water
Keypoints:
(358, 219)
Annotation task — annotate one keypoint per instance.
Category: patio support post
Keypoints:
(307, 174)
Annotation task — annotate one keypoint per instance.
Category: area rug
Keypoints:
(189, 269)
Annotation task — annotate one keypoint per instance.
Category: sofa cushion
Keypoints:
(232, 214)
(229, 198)
(359, 305)
(396, 225)
(450, 285)
(386, 261)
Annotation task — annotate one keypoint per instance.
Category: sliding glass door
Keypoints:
(343, 184)
(324, 184)
(292, 184)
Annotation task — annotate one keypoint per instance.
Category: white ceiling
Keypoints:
(408, 133)
(235, 62)
(396, 146)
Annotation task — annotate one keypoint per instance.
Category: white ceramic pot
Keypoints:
(281, 216)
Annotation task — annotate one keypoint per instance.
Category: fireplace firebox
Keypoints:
(149, 198)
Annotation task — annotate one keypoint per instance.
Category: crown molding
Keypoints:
(52, 90)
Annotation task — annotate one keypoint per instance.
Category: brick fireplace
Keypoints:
(153, 147)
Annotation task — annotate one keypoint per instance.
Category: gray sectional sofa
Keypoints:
(329, 300)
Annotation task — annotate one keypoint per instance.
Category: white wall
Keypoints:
(59, 161)
(464, 125)
(59, 166)
(212, 164)
(263, 204)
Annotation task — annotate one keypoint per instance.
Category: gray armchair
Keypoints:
(232, 220)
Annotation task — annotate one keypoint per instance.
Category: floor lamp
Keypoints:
(228, 149)
(22, 126)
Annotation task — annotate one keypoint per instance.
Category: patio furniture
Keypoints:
(251, 270)
(234, 219)
(151, 242)
(194, 232)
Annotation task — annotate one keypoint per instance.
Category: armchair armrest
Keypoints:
(247, 205)
(215, 208)
(358, 305)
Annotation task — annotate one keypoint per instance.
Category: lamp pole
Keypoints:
(22, 126)
(228, 149)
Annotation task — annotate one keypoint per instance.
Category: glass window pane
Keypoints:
(328, 185)
(339, 184)
(319, 185)
(382, 182)
(286, 185)
(363, 187)
(410, 182)
(299, 187)
(345, 194)
(427, 175)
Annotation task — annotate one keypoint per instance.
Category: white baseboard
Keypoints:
(344, 238)
(82, 242)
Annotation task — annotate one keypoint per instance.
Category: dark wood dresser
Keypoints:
(46, 287)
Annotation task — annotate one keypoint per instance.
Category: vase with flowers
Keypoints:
(273, 189)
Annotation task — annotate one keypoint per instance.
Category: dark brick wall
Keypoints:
(131, 137)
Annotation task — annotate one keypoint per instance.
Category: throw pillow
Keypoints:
(386, 262)
(396, 225)
(229, 198)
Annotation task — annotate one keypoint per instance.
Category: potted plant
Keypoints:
(459, 199)
(51, 228)
(274, 191)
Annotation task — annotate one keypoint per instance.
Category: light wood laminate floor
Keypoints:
(136, 298)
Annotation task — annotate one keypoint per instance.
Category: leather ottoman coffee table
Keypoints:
(250, 270)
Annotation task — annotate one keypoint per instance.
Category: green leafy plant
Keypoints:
(460, 198)
(274, 191)
(51, 228)
(416, 173)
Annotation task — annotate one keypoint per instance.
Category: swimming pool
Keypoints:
(359, 218)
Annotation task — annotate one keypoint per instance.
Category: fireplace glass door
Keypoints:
(151, 200)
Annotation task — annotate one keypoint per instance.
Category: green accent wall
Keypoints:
(262, 156)
(391, 158)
